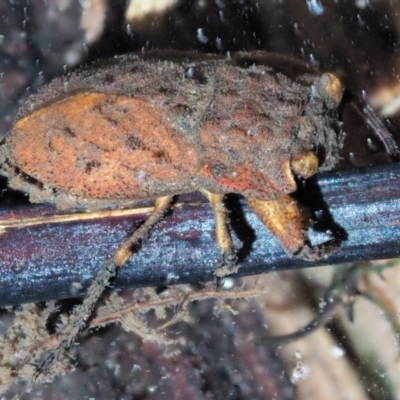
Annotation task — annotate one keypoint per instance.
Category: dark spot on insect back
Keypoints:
(180, 110)
(109, 79)
(97, 108)
(165, 92)
(134, 69)
(161, 156)
(25, 177)
(219, 170)
(68, 132)
(133, 143)
(111, 121)
(90, 165)
(234, 155)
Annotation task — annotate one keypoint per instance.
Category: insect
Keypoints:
(151, 127)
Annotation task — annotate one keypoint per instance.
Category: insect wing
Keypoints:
(99, 145)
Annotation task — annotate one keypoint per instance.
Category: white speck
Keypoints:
(371, 144)
(75, 288)
(152, 388)
(129, 29)
(72, 56)
(171, 278)
(222, 17)
(40, 78)
(297, 31)
(141, 174)
(314, 91)
(322, 304)
(365, 96)
(228, 283)
(362, 4)
(313, 61)
(319, 214)
(315, 7)
(201, 37)
(301, 371)
(190, 73)
(136, 367)
(337, 351)
(218, 43)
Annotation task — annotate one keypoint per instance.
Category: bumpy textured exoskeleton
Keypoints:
(145, 127)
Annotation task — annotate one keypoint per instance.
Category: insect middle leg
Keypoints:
(106, 273)
(224, 238)
(288, 222)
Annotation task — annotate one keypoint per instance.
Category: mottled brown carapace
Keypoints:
(154, 126)
(133, 128)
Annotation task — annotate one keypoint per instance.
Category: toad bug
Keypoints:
(154, 126)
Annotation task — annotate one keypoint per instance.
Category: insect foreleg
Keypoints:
(287, 221)
(229, 259)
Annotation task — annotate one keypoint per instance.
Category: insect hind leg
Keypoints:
(102, 280)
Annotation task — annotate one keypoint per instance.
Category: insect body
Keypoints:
(132, 129)
(135, 128)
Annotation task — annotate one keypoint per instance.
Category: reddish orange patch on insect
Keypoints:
(94, 145)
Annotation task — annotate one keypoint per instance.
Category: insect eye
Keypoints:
(329, 87)
(305, 165)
